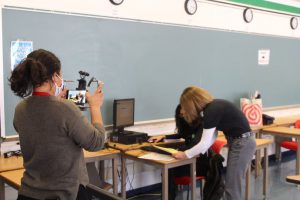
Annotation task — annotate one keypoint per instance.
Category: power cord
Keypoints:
(128, 180)
(133, 172)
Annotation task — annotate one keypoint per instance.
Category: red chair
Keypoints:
(290, 144)
(186, 180)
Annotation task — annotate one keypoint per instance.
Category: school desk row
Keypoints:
(132, 152)
(11, 168)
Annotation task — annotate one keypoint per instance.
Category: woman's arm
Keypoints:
(208, 138)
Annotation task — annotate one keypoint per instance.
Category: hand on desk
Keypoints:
(179, 155)
(156, 139)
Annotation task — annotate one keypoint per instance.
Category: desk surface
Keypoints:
(286, 131)
(138, 152)
(293, 179)
(13, 177)
(127, 147)
(14, 163)
(100, 155)
(279, 121)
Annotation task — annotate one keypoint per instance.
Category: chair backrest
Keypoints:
(217, 146)
(297, 124)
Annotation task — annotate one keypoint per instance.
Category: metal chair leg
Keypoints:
(201, 190)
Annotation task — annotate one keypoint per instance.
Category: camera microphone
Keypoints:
(92, 80)
(83, 73)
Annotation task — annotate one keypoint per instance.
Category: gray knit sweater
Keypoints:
(52, 134)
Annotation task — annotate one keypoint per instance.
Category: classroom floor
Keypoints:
(279, 189)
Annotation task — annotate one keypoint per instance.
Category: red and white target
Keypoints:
(253, 110)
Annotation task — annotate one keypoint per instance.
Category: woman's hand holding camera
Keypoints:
(96, 100)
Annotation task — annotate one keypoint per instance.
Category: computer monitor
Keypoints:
(123, 114)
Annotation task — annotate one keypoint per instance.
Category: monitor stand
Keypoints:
(124, 132)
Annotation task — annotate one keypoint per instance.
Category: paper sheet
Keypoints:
(157, 156)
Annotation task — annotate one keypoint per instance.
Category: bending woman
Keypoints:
(220, 115)
(52, 130)
(191, 133)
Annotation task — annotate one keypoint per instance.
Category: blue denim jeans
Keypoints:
(240, 154)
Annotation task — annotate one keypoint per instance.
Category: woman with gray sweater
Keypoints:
(52, 130)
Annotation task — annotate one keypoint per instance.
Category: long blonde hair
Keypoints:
(193, 100)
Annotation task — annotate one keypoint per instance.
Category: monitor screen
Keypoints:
(123, 113)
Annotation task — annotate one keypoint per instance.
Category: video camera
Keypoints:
(78, 95)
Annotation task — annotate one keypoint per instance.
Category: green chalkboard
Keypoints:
(153, 63)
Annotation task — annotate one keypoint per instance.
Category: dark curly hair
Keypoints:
(33, 71)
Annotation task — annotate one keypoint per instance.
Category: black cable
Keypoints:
(128, 180)
(119, 175)
(132, 174)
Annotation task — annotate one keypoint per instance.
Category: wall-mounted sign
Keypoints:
(263, 56)
(18, 51)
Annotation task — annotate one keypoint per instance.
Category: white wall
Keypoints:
(209, 14)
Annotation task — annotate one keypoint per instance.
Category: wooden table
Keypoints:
(105, 154)
(261, 144)
(293, 179)
(14, 165)
(279, 121)
(12, 178)
(127, 147)
(164, 165)
(287, 132)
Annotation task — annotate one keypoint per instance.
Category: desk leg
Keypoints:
(257, 163)
(266, 165)
(2, 190)
(298, 158)
(123, 177)
(165, 183)
(101, 170)
(248, 177)
(115, 176)
(193, 178)
(258, 159)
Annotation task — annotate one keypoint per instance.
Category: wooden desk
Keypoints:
(12, 178)
(293, 179)
(279, 121)
(105, 154)
(260, 144)
(11, 166)
(12, 163)
(287, 132)
(164, 165)
(127, 147)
